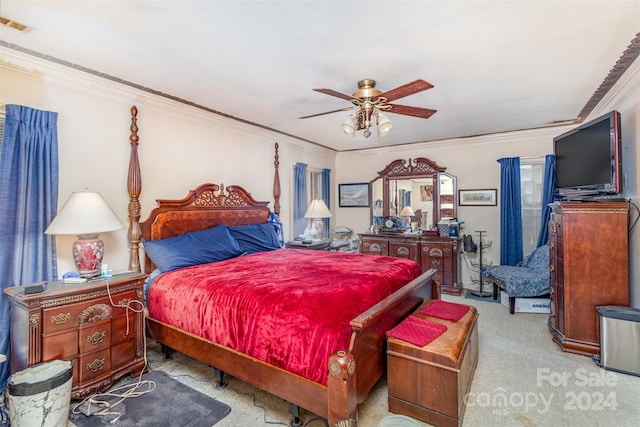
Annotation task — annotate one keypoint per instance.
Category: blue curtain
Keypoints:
(326, 196)
(28, 203)
(510, 212)
(547, 197)
(299, 198)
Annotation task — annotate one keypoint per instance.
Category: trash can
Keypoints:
(619, 338)
(41, 395)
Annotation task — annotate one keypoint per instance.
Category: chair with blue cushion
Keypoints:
(530, 278)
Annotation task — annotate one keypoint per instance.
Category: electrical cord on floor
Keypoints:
(253, 397)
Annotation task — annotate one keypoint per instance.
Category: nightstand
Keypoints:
(320, 245)
(98, 325)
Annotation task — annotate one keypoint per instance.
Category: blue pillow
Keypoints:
(254, 238)
(198, 247)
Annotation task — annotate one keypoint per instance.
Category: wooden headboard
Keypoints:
(205, 206)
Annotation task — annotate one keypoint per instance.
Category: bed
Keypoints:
(286, 293)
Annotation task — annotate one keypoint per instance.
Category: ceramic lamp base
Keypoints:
(318, 223)
(87, 255)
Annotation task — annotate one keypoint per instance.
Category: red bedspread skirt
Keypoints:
(290, 308)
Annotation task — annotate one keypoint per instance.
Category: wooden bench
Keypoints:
(430, 383)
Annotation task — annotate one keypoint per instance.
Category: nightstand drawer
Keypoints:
(62, 318)
(122, 353)
(95, 336)
(60, 346)
(121, 301)
(122, 330)
(93, 365)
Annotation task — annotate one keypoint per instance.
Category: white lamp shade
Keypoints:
(407, 211)
(349, 126)
(84, 213)
(318, 209)
(384, 125)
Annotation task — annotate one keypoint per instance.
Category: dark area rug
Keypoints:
(468, 294)
(170, 404)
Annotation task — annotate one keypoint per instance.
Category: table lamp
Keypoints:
(85, 214)
(407, 213)
(317, 211)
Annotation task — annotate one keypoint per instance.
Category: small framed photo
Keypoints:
(354, 195)
(478, 197)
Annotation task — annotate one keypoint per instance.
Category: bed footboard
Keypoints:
(352, 374)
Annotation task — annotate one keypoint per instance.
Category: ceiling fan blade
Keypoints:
(406, 90)
(423, 113)
(327, 112)
(334, 93)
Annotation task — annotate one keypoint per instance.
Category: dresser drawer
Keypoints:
(60, 346)
(122, 353)
(375, 247)
(95, 364)
(122, 330)
(121, 301)
(95, 336)
(58, 319)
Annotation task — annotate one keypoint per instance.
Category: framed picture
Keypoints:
(478, 197)
(353, 195)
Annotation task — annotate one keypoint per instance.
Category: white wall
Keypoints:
(180, 147)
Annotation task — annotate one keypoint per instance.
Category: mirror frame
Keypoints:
(420, 167)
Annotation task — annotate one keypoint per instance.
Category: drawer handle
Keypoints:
(124, 302)
(97, 338)
(96, 365)
(435, 262)
(403, 251)
(436, 252)
(60, 319)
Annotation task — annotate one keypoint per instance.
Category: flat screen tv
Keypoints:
(588, 159)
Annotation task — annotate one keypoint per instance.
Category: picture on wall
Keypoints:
(353, 195)
(426, 193)
(478, 197)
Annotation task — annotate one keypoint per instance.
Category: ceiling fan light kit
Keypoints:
(370, 102)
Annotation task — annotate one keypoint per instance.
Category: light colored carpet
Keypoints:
(522, 379)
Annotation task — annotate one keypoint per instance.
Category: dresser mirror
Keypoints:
(419, 184)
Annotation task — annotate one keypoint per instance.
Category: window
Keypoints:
(313, 189)
(314, 183)
(531, 187)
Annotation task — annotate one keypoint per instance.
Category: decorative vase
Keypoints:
(87, 255)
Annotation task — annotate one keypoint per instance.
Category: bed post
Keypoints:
(134, 185)
(276, 184)
(341, 388)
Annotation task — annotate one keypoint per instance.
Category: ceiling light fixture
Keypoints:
(370, 105)
(370, 102)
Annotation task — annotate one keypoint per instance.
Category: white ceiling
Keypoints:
(495, 65)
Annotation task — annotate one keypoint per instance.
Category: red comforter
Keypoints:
(290, 308)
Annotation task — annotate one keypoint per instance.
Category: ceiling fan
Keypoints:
(370, 102)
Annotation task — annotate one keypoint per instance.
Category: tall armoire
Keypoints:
(589, 256)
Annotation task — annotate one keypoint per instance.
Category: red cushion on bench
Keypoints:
(445, 310)
(417, 331)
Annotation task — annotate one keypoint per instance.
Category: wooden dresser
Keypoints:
(441, 253)
(589, 259)
(85, 323)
